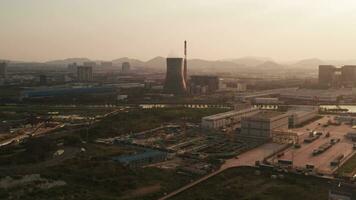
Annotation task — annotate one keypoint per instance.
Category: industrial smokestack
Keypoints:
(175, 82)
(185, 63)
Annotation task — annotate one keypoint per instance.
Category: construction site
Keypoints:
(303, 141)
(185, 146)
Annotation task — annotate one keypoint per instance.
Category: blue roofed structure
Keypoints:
(142, 158)
(63, 91)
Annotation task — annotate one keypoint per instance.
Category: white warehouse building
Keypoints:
(265, 100)
(301, 114)
(225, 119)
(260, 127)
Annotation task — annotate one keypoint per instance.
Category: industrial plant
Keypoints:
(93, 108)
(176, 75)
(192, 125)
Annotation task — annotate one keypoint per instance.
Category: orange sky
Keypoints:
(42, 30)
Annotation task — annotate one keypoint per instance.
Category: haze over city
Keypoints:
(177, 99)
(39, 30)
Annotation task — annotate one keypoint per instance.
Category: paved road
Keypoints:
(303, 155)
(39, 130)
(245, 159)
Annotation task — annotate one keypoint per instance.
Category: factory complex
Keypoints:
(225, 119)
(260, 126)
(192, 125)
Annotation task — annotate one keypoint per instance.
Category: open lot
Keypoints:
(304, 155)
(348, 169)
(244, 183)
(87, 168)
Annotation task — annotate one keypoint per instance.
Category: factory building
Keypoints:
(73, 69)
(3, 73)
(43, 79)
(3, 69)
(266, 100)
(89, 64)
(351, 136)
(106, 64)
(346, 119)
(330, 95)
(233, 85)
(348, 75)
(125, 67)
(225, 119)
(326, 74)
(203, 84)
(65, 91)
(85, 73)
(301, 114)
(331, 76)
(259, 127)
(145, 158)
(265, 93)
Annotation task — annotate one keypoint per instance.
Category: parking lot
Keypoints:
(321, 161)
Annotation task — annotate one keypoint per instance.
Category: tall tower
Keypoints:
(185, 63)
(326, 74)
(174, 82)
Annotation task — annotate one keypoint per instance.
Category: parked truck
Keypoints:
(322, 148)
(337, 160)
(311, 139)
(285, 162)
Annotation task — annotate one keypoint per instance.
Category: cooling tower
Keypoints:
(185, 63)
(175, 83)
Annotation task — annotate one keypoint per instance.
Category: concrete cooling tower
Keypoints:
(175, 83)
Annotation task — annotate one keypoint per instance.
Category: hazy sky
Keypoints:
(215, 29)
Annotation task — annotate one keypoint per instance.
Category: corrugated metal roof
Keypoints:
(140, 156)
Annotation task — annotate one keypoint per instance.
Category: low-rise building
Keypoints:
(125, 68)
(301, 114)
(331, 95)
(232, 85)
(266, 100)
(260, 126)
(144, 158)
(85, 73)
(264, 93)
(346, 119)
(3, 71)
(227, 118)
(351, 135)
(66, 91)
(203, 84)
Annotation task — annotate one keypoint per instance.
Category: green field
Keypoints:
(244, 184)
(141, 119)
(348, 168)
(44, 109)
(92, 174)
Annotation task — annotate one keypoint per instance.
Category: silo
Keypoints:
(174, 82)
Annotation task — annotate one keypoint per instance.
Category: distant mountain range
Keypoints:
(249, 61)
(68, 61)
(244, 63)
(307, 63)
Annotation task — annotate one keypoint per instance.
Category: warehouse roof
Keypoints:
(266, 115)
(130, 158)
(229, 114)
